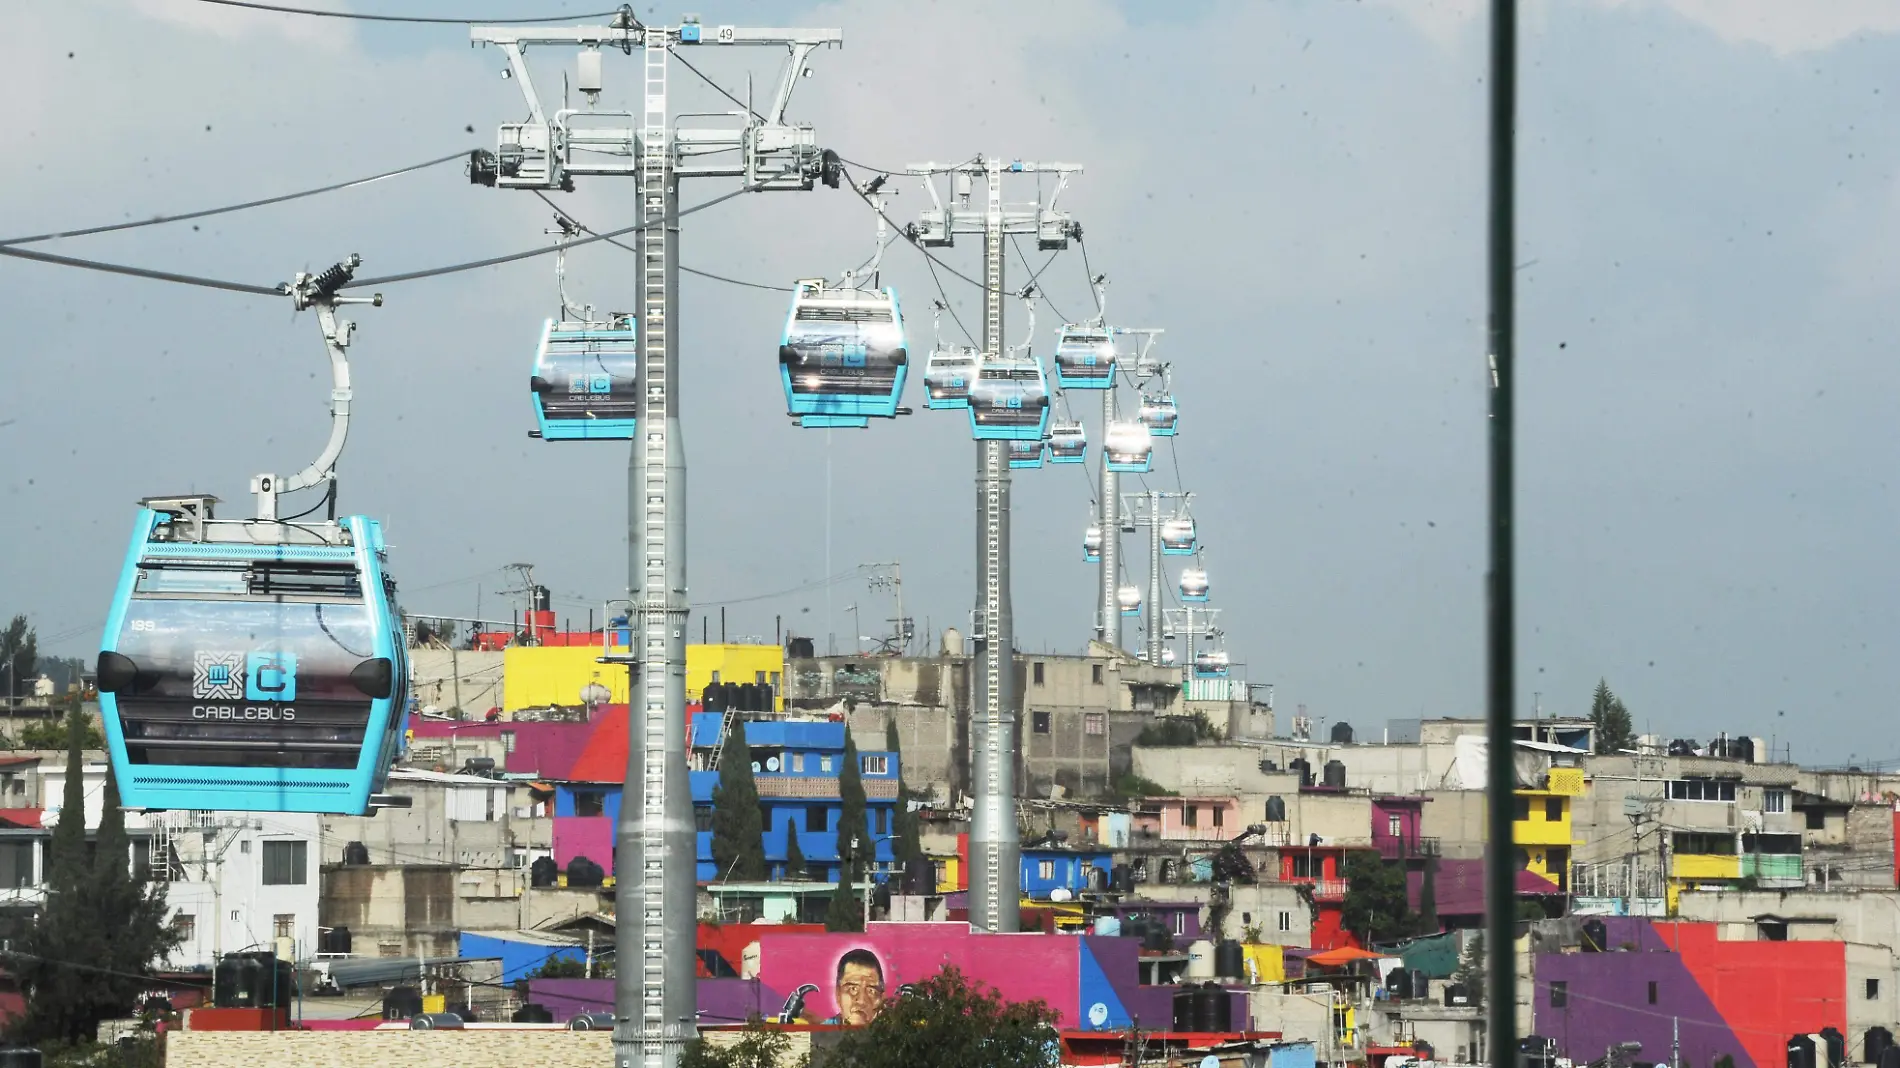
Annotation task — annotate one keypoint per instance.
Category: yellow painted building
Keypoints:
(1542, 824)
(539, 676)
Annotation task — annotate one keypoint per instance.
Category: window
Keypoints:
(702, 817)
(824, 765)
(1095, 674)
(284, 925)
(1190, 815)
(590, 803)
(817, 818)
(940, 872)
(185, 925)
(1703, 843)
(1559, 995)
(16, 864)
(1523, 809)
(1219, 815)
(1774, 800)
(1286, 920)
(507, 741)
(1553, 810)
(1095, 723)
(758, 678)
(877, 764)
(284, 863)
(244, 846)
(1873, 990)
(1045, 869)
(798, 762)
(1817, 819)
(1307, 866)
(1036, 672)
(1652, 991)
(1395, 826)
(1039, 722)
(1702, 790)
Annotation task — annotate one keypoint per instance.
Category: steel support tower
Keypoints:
(1144, 509)
(1108, 622)
(1183, 619)
(995, 848)
(655, 992)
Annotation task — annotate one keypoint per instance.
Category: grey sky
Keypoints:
(1294, 190)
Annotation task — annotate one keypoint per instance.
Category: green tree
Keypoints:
(758, 1046)
(845, 911)
(1428, 897)
(738, 831)
(907, 843)
(80, 960)
(51, 734)
(1614, 729)
(19, 654)
(1471, 970)
(795, 866)
(1375, 902)
(950, 1021)
(560, 968)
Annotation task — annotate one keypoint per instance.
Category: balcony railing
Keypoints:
(1402, 848)
(1329, 890)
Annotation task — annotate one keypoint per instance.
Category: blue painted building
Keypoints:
(1047, 868)
(795, 765)
(521, 953)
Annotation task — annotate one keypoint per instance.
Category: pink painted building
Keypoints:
(1189, 819)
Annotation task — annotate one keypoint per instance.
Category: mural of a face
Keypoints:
(860, 988)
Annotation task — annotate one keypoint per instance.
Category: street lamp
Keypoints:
(851, 854)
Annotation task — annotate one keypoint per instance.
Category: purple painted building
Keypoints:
(1395, 824)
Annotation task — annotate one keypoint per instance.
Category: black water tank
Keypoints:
(1123, 879)
(748, 697)
(1186, 1002)
(800, 649)
(532, 1012)
(355, 853)
(1890, 1057)
(1421, 988)
(466, 1012)
(402, 1003)
(334, 940)
(1268, 767)
(1230, 961)
(21, 1057)
(1878, 1040)
(1596, 936)
(545, 871)
(1276, 809)
(1682, 747)
(1336, 774)
(1836, 1044)
(1456, 994)
(583, 873)
(1159, 938)
(1399, 982)
(1801, 1052)
(1342, 733)
(768, 697)
(1302, 766)
(234, 982)
(713, 698)
(1214, 1009)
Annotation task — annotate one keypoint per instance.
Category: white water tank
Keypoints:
(952, 642)
(1200, 962)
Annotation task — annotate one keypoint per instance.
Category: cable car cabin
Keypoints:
(1068, 443)
(1129, 597)
(253, 665)
(584, 383)
(1128, 447)
(947, 378)
(1158, 414)
(1092, 544)
(1177, 537)
(1194, 585)
(1167, 658)
(1009, 400)
(1085, 358)
(1210, 664)
(1025, 454)
(842, 361)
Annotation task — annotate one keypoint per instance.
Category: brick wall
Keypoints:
(411, 1049)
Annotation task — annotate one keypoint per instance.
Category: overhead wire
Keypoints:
(569, 216)
(435, 20)
(185, 216)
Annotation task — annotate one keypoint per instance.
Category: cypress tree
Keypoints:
(738, 831)
(907, 844)
(854, 843)
(794, 856)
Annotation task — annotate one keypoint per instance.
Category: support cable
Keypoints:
(584, 228)
(279, 9)
(157, 219)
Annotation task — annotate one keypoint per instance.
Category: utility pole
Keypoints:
(655, 994)
(1144, 509)
(995, 848)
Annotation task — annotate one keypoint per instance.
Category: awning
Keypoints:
(1338, 958)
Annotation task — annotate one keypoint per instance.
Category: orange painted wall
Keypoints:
(1767, 991)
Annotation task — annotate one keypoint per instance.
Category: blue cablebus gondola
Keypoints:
(1194, 585)
(842, 360)
(1068, 443)
(1159, 414)
(1128, 447)
(1025, 454)
(1178, 537)
(252, 665)
(585, 381)
(1129, 598)
(1092, 544)
(1210, 664)
(1085, 357)
(947, 377)
(1009, 400)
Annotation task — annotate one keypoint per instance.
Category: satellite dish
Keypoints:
(771, 763)
(1060, 893)
(755, 766)
(595, 694)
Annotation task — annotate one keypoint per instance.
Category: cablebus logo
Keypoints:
(260, 675)
(217, 676)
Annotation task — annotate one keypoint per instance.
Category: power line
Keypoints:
(569, 216)
(424, 19)
(157, 219)
(720, 89)
(141, 272)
